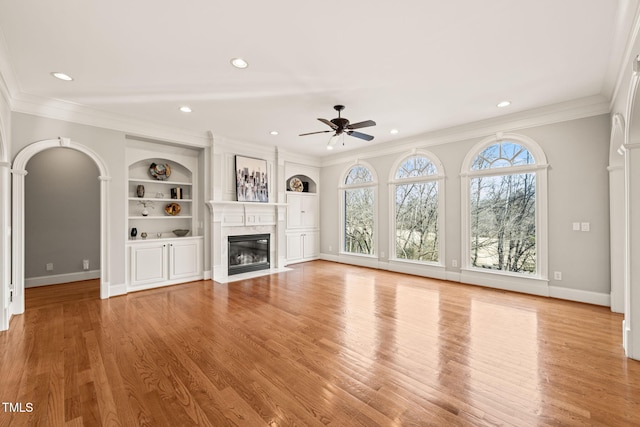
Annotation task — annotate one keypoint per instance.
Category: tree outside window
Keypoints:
(359, 211)
(417, 210)
(503, 209)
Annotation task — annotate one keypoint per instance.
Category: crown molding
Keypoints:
(562, 112)
(76, 113)
(611, 88)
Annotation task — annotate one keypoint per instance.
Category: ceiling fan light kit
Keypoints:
(341, 126)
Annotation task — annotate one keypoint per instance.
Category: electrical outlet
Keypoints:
(85, 264)
(576, 226)
(50, 266)
(454, 263)
(557, 275)
(585, 226)
(330, 248)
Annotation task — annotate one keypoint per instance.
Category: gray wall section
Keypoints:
(62, 213)
(577, 153)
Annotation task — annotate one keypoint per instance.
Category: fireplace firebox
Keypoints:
(249, 252)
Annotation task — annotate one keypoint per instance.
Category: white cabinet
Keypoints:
(302, 210)
(157, 204)
(302, 246)
(164, 262)
(148, 263)
(303, 232)
(302, 227)
(185, 258)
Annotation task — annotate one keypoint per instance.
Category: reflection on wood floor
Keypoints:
(323, 344)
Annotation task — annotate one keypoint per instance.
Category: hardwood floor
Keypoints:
(323, 344)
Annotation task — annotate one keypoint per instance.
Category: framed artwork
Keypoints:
(252, 182)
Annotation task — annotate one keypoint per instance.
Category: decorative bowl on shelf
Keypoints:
(159, 171)
(180, 233)
(172, 209)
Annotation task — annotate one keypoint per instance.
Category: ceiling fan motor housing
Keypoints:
(341, 123)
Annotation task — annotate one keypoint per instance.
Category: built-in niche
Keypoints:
(308, 185)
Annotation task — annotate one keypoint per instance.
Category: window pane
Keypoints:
(504, 154)
(358, 175)
(503, 223)
(415, 167)
(358, 228)
(417, 221)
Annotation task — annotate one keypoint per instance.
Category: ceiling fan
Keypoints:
(340, 126)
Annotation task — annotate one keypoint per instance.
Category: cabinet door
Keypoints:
(294, 206)
(148, 263)
(185, 259)
(294, 246)
(311, 244)
(308, 211)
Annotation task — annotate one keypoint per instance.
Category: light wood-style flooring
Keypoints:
(323, 344)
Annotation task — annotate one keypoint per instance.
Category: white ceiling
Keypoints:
(414, 65)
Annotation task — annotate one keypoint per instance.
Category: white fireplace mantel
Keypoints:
(238, 218)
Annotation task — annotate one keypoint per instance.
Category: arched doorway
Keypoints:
(631, 327)
(18, 197)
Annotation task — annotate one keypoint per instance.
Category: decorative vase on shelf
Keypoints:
(144, 235)
(145, 212)
(140, 190)
(134, 232)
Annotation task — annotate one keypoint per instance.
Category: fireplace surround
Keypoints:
(249, 252)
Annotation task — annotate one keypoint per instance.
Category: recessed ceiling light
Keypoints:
(274, 132)
(62, 76)
(185, 109)
(239, 63)
(394, 131)
(329, 147)
(504, 104)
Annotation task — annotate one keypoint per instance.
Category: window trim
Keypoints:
(439, 177)
(342, 187)
(540, 169)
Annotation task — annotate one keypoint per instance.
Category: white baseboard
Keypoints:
(431, 271)
(116, 290)
(56, 279)
(207, 275)
(509, 283)
(453, 276)
(588, 297)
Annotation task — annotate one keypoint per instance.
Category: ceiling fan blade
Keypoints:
(360, 135)
(313, 133)
(328, 123)
(364, 124)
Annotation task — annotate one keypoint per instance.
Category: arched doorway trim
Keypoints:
(617, 211)
(19, 171)
(5, 244)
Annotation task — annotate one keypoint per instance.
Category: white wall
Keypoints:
(577, 152)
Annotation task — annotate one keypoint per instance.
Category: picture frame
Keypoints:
(252, 179)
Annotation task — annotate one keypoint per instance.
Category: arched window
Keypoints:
(505, 182)
(417, 219)
(358, 196)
